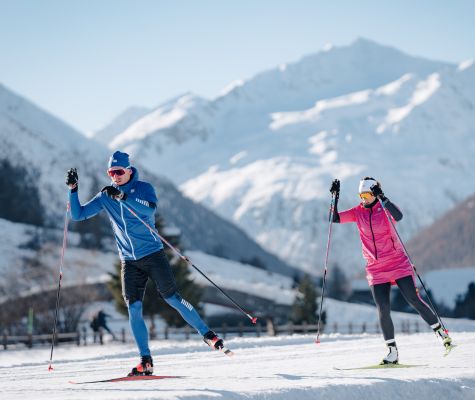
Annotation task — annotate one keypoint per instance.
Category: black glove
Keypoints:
(335, 191)
(377, 192)
(114, 193)
(335, 187)
(72, 178)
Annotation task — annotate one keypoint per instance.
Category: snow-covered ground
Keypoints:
(289, 367)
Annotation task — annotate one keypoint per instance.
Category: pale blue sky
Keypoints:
(86, 61)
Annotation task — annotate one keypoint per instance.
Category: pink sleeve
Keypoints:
(347, 216)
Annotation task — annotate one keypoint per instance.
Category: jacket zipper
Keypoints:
(372, 233)
(394, 246)
(125, 230)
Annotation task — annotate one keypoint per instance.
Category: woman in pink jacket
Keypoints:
(387, 263)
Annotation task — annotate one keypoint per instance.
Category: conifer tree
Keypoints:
(465, 305)
(338, 285)
(305, 305)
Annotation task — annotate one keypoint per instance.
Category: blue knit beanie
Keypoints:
(119, 159)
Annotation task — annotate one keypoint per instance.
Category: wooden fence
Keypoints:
(85, 337)
(289, 329)
(30, 340)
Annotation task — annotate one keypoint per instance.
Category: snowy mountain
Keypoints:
(45, 147)
(263, 153)
(37, 149)
(121, 122)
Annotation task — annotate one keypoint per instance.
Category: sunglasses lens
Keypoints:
(118, 172)
(365, 195)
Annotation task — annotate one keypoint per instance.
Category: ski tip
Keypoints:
(317, 341)
(254, 320)
(448, 349)
(228, 352)
(50, 368)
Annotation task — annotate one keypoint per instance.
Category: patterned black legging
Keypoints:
(381, 296)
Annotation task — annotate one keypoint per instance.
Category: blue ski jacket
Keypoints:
(133, 238)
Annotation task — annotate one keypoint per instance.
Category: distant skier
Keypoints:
(387, 263)
(99, 322)
(95, 327)
(140, 251)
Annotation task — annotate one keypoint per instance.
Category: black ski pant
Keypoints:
(136, 273)
(381, 295)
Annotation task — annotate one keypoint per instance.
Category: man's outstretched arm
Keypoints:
(79, 212)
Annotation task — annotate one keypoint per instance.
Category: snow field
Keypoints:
(288, 367)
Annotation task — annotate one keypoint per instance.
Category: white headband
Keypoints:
(365, 185)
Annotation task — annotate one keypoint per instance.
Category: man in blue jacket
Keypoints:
(140, 250)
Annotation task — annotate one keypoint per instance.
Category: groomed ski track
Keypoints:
(287, 367)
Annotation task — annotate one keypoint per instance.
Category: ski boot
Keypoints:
(392, 357)
(446, 339)
(213, 341)
(145, 367)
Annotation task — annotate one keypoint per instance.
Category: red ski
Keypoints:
(130, 378)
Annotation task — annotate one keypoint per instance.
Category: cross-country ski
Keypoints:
(128, 379)
(379, 366)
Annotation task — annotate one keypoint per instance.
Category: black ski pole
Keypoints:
(65, 236)
(186, 259)
(332, 205)
(434, 309)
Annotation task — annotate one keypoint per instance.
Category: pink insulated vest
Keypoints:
(384, 255)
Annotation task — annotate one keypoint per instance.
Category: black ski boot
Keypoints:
(213, 341)
(145, 367)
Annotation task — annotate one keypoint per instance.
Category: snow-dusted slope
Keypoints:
(45, 146)
(264, 152)
(263, 368)
(448, 242)
(242, 277)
